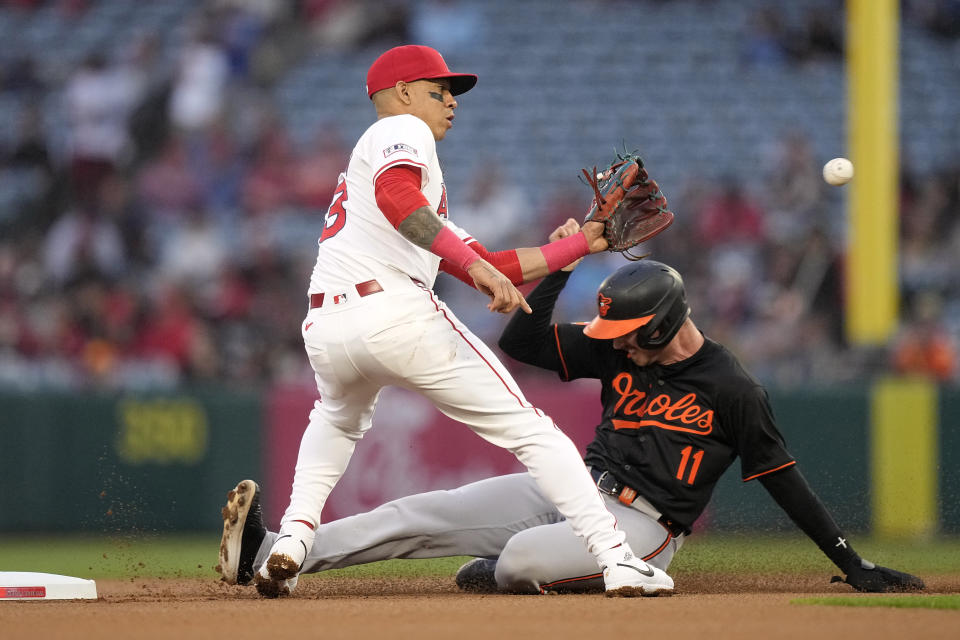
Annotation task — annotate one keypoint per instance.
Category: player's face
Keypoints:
(640, 357)
(432, 102)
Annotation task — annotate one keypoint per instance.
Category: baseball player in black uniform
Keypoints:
(678, 409)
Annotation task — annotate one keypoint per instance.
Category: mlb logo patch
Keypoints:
(340, 299)
(392, 149)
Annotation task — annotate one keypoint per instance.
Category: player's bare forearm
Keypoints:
(534, 264)
(421, 227)
(533, 261)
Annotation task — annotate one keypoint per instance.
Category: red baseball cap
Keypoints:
(414, 62)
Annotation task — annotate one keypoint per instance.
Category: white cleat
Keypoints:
(274, 588)
(630, 577)
(279, 574)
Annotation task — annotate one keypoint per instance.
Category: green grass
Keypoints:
(135, 556)
(904, 602)
(797, 554)
(112, 557)
(168, 556)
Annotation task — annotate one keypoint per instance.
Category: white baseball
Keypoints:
(838, 171)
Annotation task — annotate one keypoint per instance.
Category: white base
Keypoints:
(24, 585)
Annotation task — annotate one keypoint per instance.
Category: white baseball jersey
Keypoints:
(358, 242)
(405, 336)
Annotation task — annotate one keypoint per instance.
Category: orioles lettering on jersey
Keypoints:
(670, 430)
(641, 409)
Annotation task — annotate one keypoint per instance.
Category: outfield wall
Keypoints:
(119, 463)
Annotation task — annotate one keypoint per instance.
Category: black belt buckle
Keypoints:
(607, 483)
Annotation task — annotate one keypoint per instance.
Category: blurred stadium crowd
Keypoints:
(165, 167)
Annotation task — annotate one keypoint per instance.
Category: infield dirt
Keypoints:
(705, 606)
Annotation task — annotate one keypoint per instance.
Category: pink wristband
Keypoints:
(452, 249)
(562, 252)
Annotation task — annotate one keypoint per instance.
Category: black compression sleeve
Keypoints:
(528, 337)
(791, 491)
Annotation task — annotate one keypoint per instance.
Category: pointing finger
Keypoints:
(523, 305)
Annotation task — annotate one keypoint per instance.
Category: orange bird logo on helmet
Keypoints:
(604, 304)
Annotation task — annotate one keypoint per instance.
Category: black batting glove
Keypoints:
(872, 578)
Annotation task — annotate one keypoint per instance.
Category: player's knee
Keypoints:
(518, 568)
(542, 437)
(349, 425)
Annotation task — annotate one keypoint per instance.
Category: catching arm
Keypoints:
(790, 490)
(404, 205)
(531, 263)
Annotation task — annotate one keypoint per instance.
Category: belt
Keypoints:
(610, 485)
(363, 289)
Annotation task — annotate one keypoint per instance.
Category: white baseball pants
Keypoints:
(405, 336)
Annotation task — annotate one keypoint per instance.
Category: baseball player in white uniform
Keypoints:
(375, 321)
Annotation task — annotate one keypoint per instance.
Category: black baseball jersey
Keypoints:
(670, 431)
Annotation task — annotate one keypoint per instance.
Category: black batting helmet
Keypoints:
(645, 295)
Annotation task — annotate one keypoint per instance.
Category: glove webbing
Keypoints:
(593, 180)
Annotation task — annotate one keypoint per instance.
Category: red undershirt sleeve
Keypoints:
(398, 193)
(507, 262)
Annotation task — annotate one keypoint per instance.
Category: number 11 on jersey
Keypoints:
(685, 458)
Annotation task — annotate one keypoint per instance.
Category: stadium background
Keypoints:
(165, 167)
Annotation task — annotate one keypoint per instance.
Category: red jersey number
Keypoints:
(442, 207)
(336, 215)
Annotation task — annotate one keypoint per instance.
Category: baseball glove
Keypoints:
(628, 203)
(872, 578)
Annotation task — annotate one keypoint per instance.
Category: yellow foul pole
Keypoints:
(872, 298)
(904, 412)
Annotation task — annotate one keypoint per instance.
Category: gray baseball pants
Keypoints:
(504, 517)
